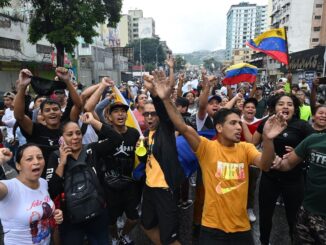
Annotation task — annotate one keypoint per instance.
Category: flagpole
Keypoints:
(287, 49)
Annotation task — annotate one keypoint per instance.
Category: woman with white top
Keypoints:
(27, 212)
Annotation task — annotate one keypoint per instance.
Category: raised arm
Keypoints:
(313, 95)
(63, 74)
(181, 79)
(95, 98)
(253, 90)
(162, 87)
(5, 156)
(233, 101)
(203, 97)
(273, 127)
(19, 105)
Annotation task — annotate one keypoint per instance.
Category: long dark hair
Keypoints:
(275, 99)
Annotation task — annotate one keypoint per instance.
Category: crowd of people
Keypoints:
(71, 166)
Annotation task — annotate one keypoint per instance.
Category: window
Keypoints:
(319, 5)
(315, 40)
(317, 17)
(317, 28)
(85, 45)
(8, 43)
(43, 49)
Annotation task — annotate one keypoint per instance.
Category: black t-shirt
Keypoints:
(296, 131)
(121, 161)
(261, 108)
(100, 150)
(47, 139)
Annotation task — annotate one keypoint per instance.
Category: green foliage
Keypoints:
(4, 3)
(180, 63)
(149, 48)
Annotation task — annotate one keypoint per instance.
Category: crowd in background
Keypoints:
(82, 136)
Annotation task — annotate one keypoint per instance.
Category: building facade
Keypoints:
(135, 15)
(297, 17)
(244, 21)
(124, 30)
(318, 25)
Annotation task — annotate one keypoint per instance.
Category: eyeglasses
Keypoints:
(152, 113)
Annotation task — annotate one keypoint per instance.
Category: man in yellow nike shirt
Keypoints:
(224, 163)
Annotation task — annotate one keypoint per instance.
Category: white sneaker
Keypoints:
(115, 241)
(251, 215)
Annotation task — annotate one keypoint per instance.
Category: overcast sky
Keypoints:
(188, 25)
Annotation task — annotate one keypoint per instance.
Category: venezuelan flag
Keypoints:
(272, 43)
(238, 73)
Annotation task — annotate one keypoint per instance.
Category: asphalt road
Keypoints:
(279, 235)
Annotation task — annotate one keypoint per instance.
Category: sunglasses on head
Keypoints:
(152, 113)
(8, 94)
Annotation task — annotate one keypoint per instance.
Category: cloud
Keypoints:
(188, 25)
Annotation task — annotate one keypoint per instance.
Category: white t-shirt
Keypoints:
(9, 119)
(26, 214)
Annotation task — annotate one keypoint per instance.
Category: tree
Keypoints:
(4, 3)
(62, 21)
(211, 64)
(180, 63)
(151, 51)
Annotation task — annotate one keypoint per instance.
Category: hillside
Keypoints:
(198, 57)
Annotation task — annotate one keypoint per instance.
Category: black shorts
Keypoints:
(125, 201)
(211, 236)
(159, 208)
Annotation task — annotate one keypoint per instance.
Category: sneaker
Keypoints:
(115, 241)
(125, 240)
(251, 215)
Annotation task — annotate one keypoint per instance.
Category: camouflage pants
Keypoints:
(310, 228)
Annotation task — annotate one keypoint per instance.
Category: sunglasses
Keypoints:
(152, 114)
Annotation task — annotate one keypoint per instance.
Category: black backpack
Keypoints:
(82, 191)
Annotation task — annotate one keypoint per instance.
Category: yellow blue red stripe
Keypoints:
(238, 73)
(272, 43)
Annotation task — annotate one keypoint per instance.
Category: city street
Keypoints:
(279, 234)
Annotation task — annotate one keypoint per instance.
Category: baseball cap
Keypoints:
(118, 104)
(10, 95)
(259, 86)
(216, 97)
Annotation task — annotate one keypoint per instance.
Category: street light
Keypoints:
(156, 60)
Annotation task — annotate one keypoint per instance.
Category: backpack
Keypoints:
(82, 191)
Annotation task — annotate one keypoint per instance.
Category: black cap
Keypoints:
(216, 97)
(118, 104)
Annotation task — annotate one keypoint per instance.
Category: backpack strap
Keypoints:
(82, 159)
